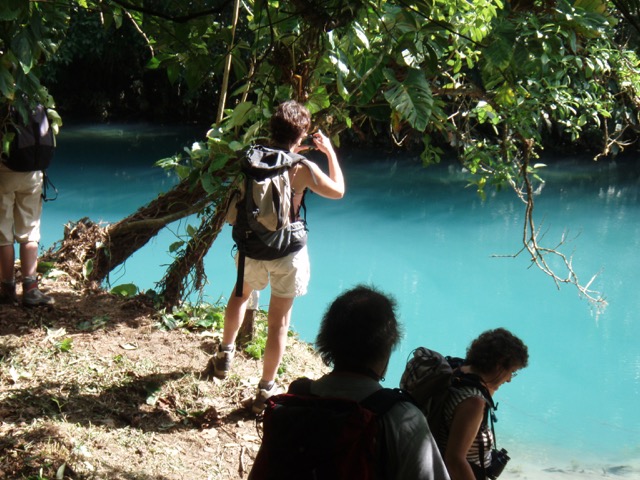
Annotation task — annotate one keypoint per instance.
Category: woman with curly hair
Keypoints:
(493, 358)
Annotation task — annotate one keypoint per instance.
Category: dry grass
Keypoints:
(93, 389)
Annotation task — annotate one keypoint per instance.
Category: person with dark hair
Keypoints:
(357, 335)
(494, 358)
(288, 275)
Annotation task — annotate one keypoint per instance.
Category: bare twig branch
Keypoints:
(540, 256)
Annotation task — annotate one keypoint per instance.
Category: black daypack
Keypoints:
(32, 146)
(323, 438)
(33, 143)
(264, 227)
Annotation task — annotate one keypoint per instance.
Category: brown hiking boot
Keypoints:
(8, 293)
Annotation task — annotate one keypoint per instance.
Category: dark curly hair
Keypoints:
(497, 349)
(289, 122)
(358, 329)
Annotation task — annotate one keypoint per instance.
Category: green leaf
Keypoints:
(173, 73)
(65, 345)
(125, 290)
(412, 98)
(241, 114)
(22, 49)
(594, 6)
(87, 268)
(175, 246)
(318, 100)
(373, 79)
(208, 183)
(7, 84)
(499, 52)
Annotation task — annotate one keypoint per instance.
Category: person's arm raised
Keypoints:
(331, 185)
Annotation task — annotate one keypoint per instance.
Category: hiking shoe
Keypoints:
(259, 403)
(35, 298)
(8, 294)
(221, 363)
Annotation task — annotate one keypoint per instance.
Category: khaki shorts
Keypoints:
(289, 276)
(20, 206)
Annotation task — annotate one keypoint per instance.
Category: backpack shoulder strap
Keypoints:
(379, 402)
(461, 379)
(382, 400)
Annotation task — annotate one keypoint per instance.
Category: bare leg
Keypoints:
(7, 262)
(278, 320)
(234, 314)
(28, 258)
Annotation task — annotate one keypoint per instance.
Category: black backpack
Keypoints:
(264, 227)
(323, 438)
(33, 145)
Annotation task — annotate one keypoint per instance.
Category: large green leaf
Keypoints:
(411, 98)
(372, 78)
(21, 47)
(241, 114)
(10, 10)
(499, 51)
(7, 84)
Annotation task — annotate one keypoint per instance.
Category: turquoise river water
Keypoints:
(446, 256)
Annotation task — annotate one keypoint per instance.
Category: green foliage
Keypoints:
(444, 70)
(202, 316)
(65, 345)
(483, 80)
(29, 35)
(255, 348)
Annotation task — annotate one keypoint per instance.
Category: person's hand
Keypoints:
(322, 142)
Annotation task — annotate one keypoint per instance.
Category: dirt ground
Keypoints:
(93, 389)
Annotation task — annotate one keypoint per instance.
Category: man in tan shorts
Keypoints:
(20, 211)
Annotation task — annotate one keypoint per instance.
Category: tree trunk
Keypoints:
(89, 252)
(186, 274)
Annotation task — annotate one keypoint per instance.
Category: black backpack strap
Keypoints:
(378, 402)
(382, 400)
(46, 182)
(240, 278)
